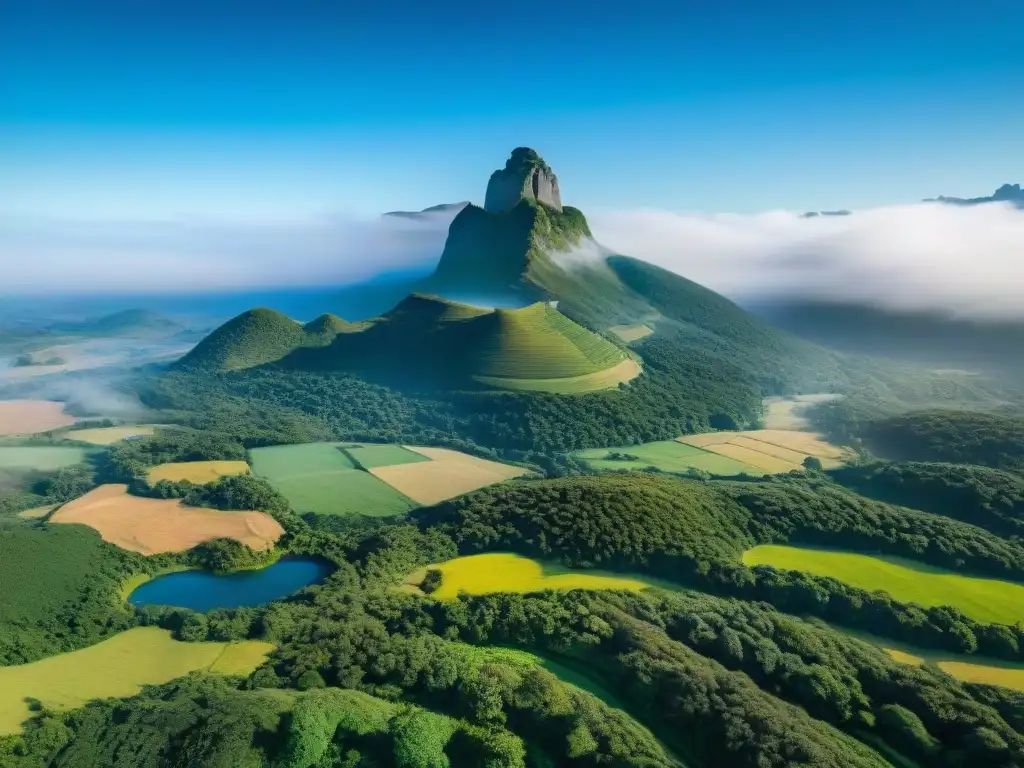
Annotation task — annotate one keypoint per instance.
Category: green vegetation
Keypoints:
(58, 587)
(42, 458)
(665, 456)
(320, 478)
(984, 600)
(370, 456)
(990, 498)
(119, 666)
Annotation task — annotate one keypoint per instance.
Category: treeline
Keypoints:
(990, 498)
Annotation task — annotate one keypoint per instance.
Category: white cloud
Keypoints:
(40, 256)
(968, 261)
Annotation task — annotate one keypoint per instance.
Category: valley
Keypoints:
(539, 510)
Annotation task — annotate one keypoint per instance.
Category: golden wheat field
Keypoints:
(30, 417)
(446, 475)
(153, 526)
(772, 450)
(109, 435)
(196, 471)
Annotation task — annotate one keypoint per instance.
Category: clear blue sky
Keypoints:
(218, 108)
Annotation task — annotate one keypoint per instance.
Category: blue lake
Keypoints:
(205, 591)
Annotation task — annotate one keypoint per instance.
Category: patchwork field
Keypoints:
(770, 450)
(109, 435)
(627, 370)
(117, 667)
(631, 333)
(39, 457)
(505, 572)
(787, 412)
(445, 475)
(668, 456)
(30, 417)
(196, 471)
(368, 456)
(152, 526)
(986, 600)
(321, 478)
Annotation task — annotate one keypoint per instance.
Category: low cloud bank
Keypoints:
(43, 256)
(966, 261)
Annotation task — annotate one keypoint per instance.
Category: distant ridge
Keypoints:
(128, 322)
(426, 213)
(1007, 193)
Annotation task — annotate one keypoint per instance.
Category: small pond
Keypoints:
(205, 591)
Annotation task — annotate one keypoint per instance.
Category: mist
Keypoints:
(51, 256)
(963, 261)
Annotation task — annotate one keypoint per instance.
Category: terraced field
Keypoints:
(668, 456)
(196, 471)
(505, 572)
(117, 667)
(39, 457)
(986, 600)
(770, 450)
(321, 478)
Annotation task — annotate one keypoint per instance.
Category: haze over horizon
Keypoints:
(154, 146)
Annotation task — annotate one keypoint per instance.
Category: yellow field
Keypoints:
(152, 526)
(196, 471)
(787, 412)
(30, 417)
(37, 512)
(986, 600)
(903, 657)
(607, 378)
(772, 450)
(117, 667)
(631, 333)
(504, 572)
(446, 475)
(108, 435)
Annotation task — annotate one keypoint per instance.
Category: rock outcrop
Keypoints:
(525, 176)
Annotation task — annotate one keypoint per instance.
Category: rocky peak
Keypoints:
(525, 176)
(1009, 192)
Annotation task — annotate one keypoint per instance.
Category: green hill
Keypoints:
(427, 339)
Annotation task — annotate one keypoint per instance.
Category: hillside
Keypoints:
(424, 339)
(129, 322)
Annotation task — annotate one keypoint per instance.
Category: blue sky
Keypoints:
(149, 109)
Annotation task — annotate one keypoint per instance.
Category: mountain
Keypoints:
(1008, 193)
(446, 209)
(129, 322)
(519, 279)
(427, 339)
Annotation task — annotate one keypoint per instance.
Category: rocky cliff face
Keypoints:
(525, 176)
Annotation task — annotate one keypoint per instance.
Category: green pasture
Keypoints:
(987, 600)
(369, 455)
(320, 478)
(668, 456)
(43, 457)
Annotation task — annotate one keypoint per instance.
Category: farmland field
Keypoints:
(116, 667)
(631, 333)
(29, 417)
(668, 456)
(320, 478)
(627, 370)
(108, 435)
(444, 475)
(770, 450)
(367, 456)
(196, 471)
(152, 526)
(36, 512)
(505, 572)
(985, 600)
(39, 457)
(787, 412)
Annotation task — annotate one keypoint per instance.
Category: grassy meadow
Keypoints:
(606, 378)
(668, 456)
(117, 667)
(369, 456)
(320, 478)
(42, 458)
(506, 572)
(196, 471)
(986, 600)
